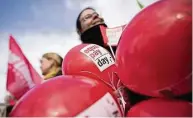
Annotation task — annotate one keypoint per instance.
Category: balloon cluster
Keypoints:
(153, 59)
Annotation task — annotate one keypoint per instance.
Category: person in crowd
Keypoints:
(51, 64)
(88, 18)
(7, 106)
(88, 25)
(3, 110)
(10, 99)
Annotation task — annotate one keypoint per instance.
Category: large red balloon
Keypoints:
(68, 96)
(161, 108)
(96, 62)
(154, 55)
(92, 61)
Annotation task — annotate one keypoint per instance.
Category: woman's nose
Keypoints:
(95, 16)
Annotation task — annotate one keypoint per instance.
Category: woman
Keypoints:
(88, 18)
(51, 64)
(88, 27)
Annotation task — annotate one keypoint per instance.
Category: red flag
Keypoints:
(21, 76)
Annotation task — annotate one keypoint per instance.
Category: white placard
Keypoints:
(113, 35)
(104, 107)
(100, 56)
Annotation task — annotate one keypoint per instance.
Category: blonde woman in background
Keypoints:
(51, 64)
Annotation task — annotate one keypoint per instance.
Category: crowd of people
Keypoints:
(87, 26)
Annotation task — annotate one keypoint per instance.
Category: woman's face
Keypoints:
(89, 18)
(46, 65)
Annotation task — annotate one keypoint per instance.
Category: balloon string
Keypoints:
(119, 91)
(98, 78)
(111, 77)
(111, 49)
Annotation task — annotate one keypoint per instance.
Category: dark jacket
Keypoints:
(94, 36)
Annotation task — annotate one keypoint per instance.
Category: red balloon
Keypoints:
(161, 108)
(68, 96)
(154, 55)
(92, 61)
(96, 62)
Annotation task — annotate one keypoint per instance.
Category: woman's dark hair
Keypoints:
(78, 24)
